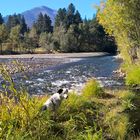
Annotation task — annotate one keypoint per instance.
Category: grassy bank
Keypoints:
(95, 115)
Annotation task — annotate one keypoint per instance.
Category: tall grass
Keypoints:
(92, 88)
(133, 76)
(80, 117)
(21, 117)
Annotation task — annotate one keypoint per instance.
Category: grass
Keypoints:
(92, 88)
(133, 76)
(95, 115)
(40, 50)
(23, 119)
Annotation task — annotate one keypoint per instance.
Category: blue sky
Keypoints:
(85, 7)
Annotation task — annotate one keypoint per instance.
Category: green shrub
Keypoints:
(92, 89)
(127, 98)
(126, 95)
(133, 76)
(89, 135)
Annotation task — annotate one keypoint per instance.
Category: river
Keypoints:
(72, 73)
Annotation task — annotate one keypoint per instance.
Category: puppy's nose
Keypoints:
(67, 97)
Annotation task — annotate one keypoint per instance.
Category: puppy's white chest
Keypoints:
(55, 99)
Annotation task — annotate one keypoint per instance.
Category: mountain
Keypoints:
(32, 15)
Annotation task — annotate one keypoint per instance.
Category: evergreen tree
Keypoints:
(85, 20)
(70, 15)
(61, 17)
(8, 24)
(3, 35)
(78, 18)
(39, 23)
(71, 9)
(23, 25)
(43, 24)
(13, 20)
(47, 24)
(1, 19)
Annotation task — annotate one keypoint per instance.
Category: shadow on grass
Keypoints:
(134, 115)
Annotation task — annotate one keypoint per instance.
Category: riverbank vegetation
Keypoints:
(96, 114)
(70, 33)
(120, 19)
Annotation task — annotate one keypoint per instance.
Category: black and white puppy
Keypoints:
(55, 100)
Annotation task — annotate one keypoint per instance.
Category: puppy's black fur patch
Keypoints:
(60, 91)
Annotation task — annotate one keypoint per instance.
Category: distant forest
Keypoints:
(70, 33)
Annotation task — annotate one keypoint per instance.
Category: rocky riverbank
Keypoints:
(35, 62)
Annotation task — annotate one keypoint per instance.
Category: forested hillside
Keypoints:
(70, 33)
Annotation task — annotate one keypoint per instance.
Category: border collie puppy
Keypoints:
(55, 100)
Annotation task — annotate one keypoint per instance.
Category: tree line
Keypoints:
(70, 33)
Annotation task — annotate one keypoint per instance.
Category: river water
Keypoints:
(72, 74)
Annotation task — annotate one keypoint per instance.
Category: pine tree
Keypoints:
(8, 24)
(23, 25)
(85, 20)
(43, 24)
(70, 15)
(61, 17)
(1, 19)
(78, 18)
(71, 9)
(3, 35)
(13, 20)
(47, 24)
(39, 23)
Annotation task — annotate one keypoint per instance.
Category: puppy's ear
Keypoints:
(43, 108)
(60, 91)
